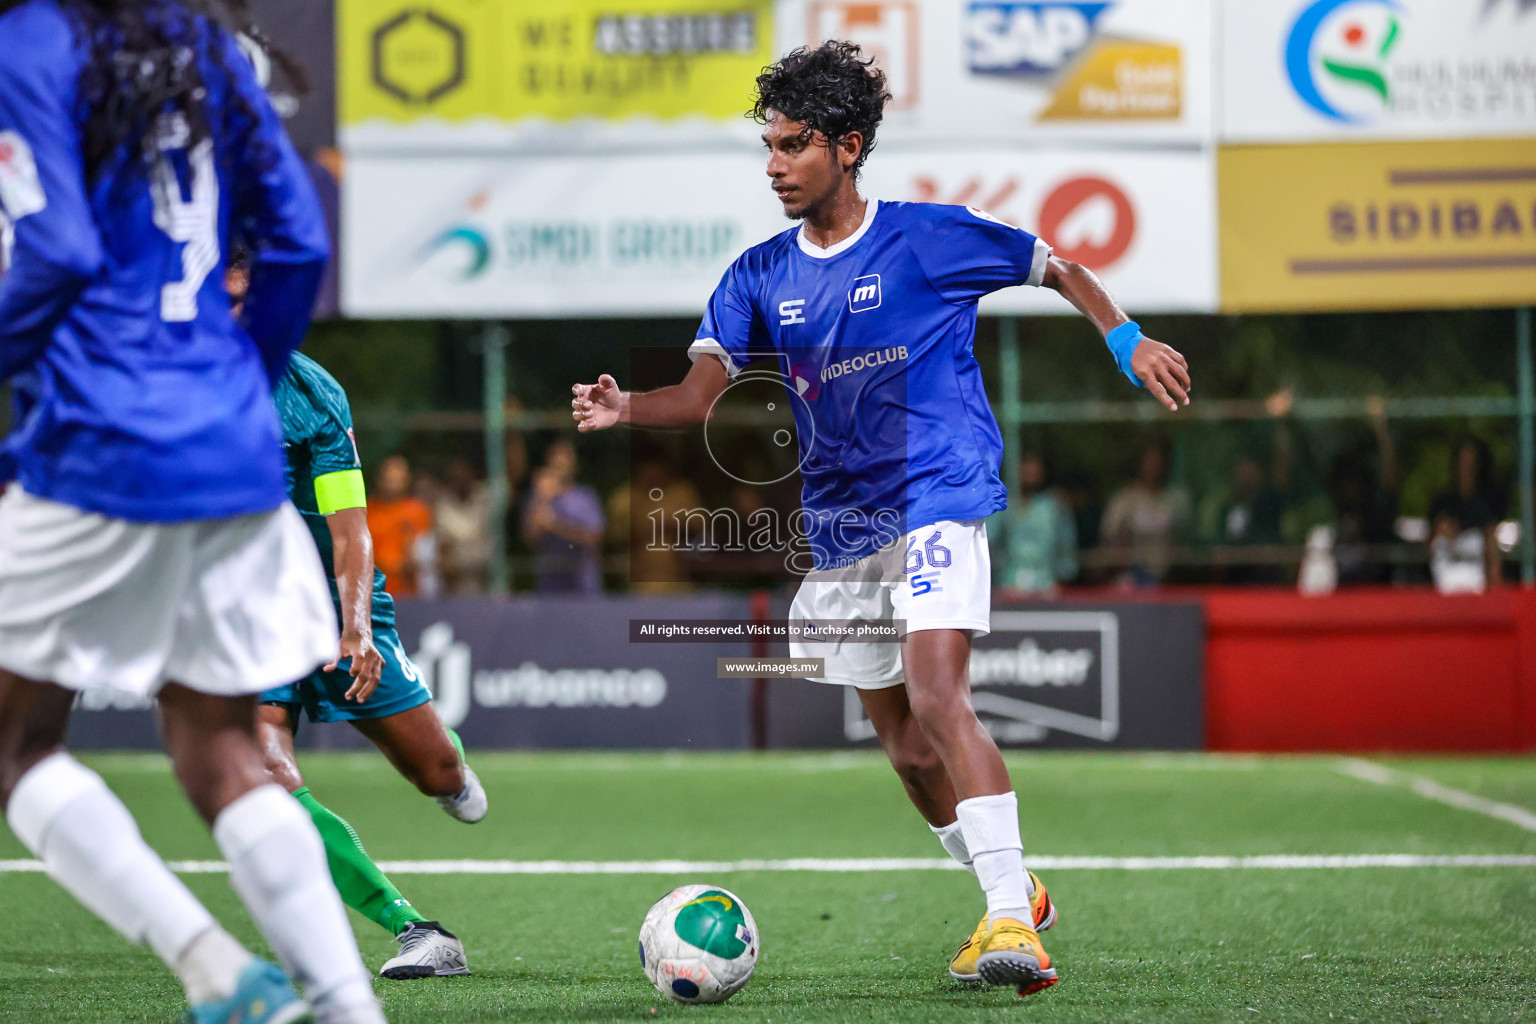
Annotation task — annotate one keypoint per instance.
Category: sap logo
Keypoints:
(1024, 39)
(792, 311)
(865, 294)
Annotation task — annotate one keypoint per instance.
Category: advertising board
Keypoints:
(1314, 70)
(518, 673)
(432, 75)
(1027, 72)
(651, 235)
(427, 75)
(1383, 225)
(1123, 676)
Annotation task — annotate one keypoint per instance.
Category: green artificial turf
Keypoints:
(1364, 944)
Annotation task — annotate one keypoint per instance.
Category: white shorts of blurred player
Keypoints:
(937, 577)
(224, 607)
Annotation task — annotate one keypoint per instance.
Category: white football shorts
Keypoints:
(225, 607)
(937, 577)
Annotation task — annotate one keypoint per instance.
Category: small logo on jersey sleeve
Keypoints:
(21, 191)
(865, 294)
(984, 215)
(792, 311)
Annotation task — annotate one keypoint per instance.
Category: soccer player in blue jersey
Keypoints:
(369, 682)
(146, 543)
(869, 310)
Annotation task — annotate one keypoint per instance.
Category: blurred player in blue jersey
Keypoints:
(869, 309)
(146, 544)
(370, 681)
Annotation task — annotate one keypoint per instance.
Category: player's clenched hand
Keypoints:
(1163, 371)
(597, 406)
(367, 665)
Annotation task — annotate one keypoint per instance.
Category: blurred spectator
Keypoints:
(427, 488)
(463, 517)
(1255, 508)
(398, 521)
(1464, 554)
(1143, 518)
(643, 520)
(1035, 539)
(1254, 512)
(563, 524)
(1363, 487)
(1075, 487)
(516, 450)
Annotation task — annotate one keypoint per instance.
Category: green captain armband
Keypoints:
(336, 491)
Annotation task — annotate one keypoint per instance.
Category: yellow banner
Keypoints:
(560, 60)
(1382, 225)
(1122, 80)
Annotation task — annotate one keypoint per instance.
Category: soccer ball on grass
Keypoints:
(699, 944)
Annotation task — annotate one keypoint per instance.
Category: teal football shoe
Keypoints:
(264, 996)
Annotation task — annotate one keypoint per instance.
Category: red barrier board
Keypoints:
(1373, 670)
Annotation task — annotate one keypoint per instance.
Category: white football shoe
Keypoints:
(426, 950)
(470, 805)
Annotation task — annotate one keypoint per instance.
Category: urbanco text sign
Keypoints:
(561, 672)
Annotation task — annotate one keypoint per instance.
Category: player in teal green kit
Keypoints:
(371, 683)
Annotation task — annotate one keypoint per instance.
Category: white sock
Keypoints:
(74, 824)
(277, 865)
(952, 838)
(991, 827)
(211, 965)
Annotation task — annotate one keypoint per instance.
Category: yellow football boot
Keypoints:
(962, 966)
(1011, 954)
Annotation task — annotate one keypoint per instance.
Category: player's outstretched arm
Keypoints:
(601, 405)
(1161, 369)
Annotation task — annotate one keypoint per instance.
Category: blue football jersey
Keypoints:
(874, 340)
(137, 395)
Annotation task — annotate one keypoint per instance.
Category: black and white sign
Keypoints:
(1119, 676)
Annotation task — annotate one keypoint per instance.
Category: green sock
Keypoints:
(362, 885)
(458, 745)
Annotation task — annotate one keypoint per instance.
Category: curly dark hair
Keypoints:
(832, 88)
(143, 64)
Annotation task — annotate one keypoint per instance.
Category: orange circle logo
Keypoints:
(1067, 199)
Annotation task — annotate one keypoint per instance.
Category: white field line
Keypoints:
(1381, 775)
(1286, 862)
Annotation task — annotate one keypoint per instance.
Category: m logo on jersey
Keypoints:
(792, 311)
(1027, 39)
(865, 294)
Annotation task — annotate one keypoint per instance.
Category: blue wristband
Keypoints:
(1122, 342)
